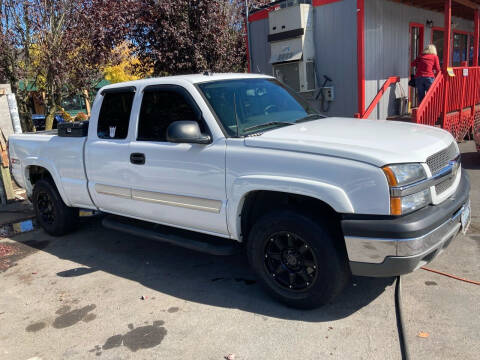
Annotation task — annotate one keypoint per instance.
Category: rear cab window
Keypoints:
(114, 117)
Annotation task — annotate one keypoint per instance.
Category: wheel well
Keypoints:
(258, 203)
(36, 173)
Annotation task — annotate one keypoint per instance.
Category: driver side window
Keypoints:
(160, 108)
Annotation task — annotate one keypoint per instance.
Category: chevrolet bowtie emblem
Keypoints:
(455, 165)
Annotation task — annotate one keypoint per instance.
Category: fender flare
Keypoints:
(49, 166)
(241, 187)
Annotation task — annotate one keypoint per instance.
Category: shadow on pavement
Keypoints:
(471, 160)
(216, 281)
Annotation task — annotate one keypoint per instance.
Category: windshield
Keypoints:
(247, 106)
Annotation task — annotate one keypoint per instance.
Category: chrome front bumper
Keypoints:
(375, 250)
(390, 246)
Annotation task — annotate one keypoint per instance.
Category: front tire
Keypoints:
(297, 260)
(53, 215)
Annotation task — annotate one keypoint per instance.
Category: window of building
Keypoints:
(437, 40)
(115, 115)
(471, 48)
(160, 108)
(74, 104)
(460, 49)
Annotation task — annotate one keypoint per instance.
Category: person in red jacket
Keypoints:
(427, 67)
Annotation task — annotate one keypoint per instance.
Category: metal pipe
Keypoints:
(447, 34)
(361, 56)
(446, 55)
(247, 28)
(476, 38)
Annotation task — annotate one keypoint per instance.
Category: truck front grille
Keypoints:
(438, 161)
(444, 185)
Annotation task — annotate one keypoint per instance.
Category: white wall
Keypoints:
(335, 36)
(336, 53)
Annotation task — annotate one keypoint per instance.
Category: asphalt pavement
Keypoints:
(100, 294)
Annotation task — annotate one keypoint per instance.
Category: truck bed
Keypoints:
(62, 156)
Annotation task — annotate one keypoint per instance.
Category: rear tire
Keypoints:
(297, 260)
(53, 215)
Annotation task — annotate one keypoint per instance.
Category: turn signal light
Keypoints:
(392, 180)
(395, 206)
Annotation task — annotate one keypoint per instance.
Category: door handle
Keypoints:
(137, 158)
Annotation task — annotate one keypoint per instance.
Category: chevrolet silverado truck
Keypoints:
(218, 162)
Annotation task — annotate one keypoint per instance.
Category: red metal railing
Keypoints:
(391, 80)
(452, 102)
(429, 111)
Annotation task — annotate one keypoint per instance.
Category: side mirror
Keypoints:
(186, 132)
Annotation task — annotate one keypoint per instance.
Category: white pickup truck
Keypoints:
(213, 161)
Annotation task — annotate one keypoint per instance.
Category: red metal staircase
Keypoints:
(453, 102)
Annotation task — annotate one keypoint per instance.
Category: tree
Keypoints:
(65, 47)
(188, 36)
(73, 44)
(102, 27)
(124, 66)
(62, 45)
(15, 47)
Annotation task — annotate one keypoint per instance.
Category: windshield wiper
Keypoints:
(310, 117)
(271, 123)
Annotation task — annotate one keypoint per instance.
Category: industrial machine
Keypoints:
(292, 46)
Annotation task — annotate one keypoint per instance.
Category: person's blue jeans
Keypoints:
(423, 84)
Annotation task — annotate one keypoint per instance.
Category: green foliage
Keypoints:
(63, 47)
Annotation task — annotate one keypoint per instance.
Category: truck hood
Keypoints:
(378, 142)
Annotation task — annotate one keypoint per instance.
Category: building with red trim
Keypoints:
(366, 47)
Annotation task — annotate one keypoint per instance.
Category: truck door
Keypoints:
(107, 153)
(176, 184)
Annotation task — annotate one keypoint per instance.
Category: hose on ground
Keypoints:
(399, 310)
(451, 276)
(400, 323)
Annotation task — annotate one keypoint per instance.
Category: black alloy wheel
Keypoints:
(298, 258)
(53, 215)
(45, 207)
(290, 261)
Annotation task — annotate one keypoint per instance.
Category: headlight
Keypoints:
(401, 175)
(404, 174)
